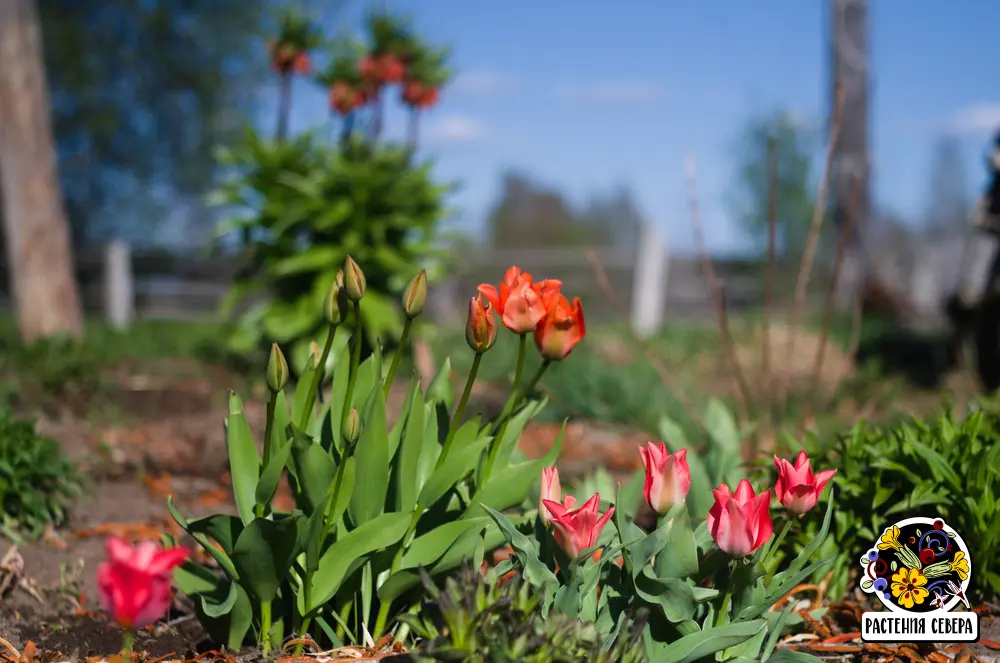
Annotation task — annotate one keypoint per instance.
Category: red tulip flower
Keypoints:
(561, 329)
(579, 529)
(521, 303)
(741, 522)
(797, 488)
(668, 478)
(135, 581)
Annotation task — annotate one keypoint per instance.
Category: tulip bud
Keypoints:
(277, 370)
(415, 295)
(332, 310)
(314, 355)
(352, 426)
(480, 327)
(354, 280)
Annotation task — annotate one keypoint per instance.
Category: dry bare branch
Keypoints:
(772, 230)
(715, 293)
(815, 226)
(829, 305)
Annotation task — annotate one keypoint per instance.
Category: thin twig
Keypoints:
(601, 276)
(772, 229)
(857, 314)
(805, 268)
(715, 293)
(828, 308)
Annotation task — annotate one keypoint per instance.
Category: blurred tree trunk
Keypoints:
(37, 232)
(851, 176)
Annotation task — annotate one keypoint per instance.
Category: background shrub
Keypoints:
(38, 482)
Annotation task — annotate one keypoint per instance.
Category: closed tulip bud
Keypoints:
(277, 370)
(480, 327)
(332, 310)
(415, 295)
(352, 426)
(354, 280)
(314, 355)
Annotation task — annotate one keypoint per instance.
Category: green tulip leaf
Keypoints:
(463, 457)
(220, 601)
(263, 555)
(230, 628)
(380, 532)
(697, 646)
(535, 572)
(314, 469)
(267, 486)
(244, 460)
(509, 487)
(428, 548)
(223, 529)
(411, 445)
(372, 460)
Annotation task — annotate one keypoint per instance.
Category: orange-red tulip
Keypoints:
(520, 302)
(480, 326)
(561, 329)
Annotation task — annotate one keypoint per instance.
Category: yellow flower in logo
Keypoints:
(960, 565)
(890, 539)
(908, 587)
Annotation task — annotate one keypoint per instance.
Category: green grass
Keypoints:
(146, 339)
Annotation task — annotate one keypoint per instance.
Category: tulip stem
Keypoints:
(516, 397)
(397, 356)
(516, 386)
(456, 418)
(269, 426)
(728, 596)
(328, 507)
(317, 378)
(355, 361)
(128, 637)
(774, 549)
(265, 627)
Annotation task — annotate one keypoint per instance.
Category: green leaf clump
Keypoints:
(38, 481)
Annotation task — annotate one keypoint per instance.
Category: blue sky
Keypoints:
(587, 95)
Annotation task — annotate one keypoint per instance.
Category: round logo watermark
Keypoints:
(919, 569)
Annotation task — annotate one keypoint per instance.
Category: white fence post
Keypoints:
(119, 289)
(649, 288)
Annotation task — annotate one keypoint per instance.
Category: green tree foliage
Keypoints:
(752, 188)
(140, 93)
(529, 215)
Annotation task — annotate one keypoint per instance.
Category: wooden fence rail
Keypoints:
(122, 285)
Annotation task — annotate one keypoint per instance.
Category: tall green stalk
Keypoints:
(317, 379)
(459, 410)
(352, 378)
(516, 397)
(403, 338)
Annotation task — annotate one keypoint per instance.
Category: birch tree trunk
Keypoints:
(38, 247)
